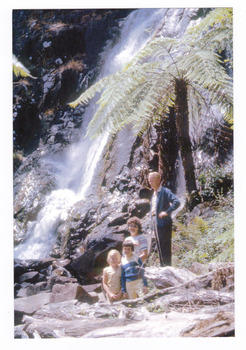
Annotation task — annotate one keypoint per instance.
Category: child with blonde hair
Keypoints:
(112, 276)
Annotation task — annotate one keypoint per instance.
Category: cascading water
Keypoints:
(75, 168)
(181, 188)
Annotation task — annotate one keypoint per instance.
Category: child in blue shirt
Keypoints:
(133, 282)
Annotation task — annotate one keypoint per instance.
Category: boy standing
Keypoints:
(133, 282)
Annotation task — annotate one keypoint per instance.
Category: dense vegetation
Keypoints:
(206, 240)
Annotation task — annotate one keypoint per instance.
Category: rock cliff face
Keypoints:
(62, 49)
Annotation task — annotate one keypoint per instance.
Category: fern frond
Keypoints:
(228, 116)
(133, 107)
(204, 69)
(217, 17)
(155, 112)
(217, 39)
(91, 91)
(157, 47)
(125, 90)
(20, 70)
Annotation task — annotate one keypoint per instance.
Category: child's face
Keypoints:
(133, 229)
(127, 251)
(113, 260)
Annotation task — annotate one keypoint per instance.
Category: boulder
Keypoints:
(140, 208)
(164, 277)
(30, 289)
(20, 333)
(61, 280)
(71, 291)
(90, 264)
(68, 291)
(29, 305)
(31, 277)
(97, 287)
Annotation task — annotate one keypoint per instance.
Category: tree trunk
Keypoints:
(168, 150)
(182, 123)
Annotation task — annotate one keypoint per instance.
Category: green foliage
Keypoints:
(218, 17)
(215, 181)
(144, 89)
(206, 240)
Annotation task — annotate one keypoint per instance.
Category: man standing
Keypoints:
(162, 205)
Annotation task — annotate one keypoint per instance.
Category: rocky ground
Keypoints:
(180, 303)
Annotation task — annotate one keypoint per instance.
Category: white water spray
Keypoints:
(76, 167)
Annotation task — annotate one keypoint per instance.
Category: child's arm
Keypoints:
(143, 249)
(105, 281)
(123, 283)
(144, 255)
(141, 274)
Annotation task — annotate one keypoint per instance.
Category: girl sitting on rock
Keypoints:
(112, 276)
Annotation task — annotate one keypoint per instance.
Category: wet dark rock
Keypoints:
(60, 48)
(118, 220)
(54, 279)
(32, 289)
(23, 266)
(90, 264)
(139, 208)
(19, 333)
(145, 193)
(29, 277)
(26, 122)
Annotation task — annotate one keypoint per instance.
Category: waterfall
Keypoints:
(181, 188)
(76, 166)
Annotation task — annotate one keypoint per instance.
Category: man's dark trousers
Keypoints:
(166, 201)
(165, 239)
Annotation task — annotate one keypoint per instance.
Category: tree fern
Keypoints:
(153, 81)
(178, 57)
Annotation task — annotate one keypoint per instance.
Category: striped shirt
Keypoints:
(131, 270)
(140, 243)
